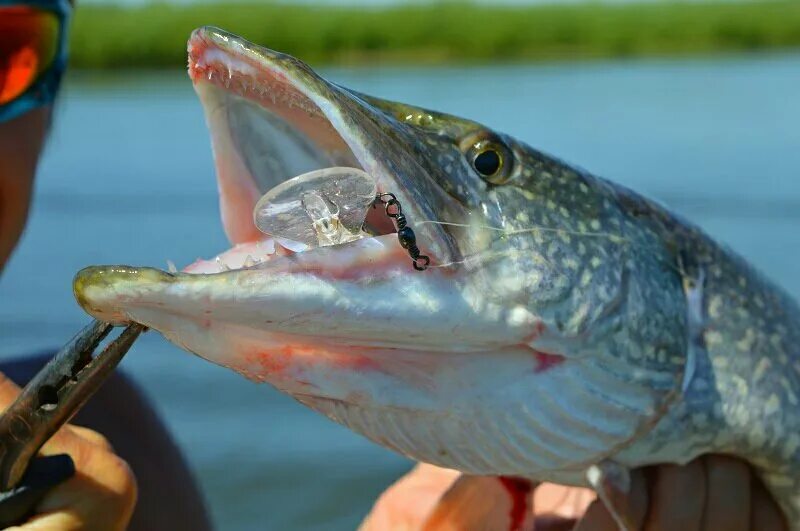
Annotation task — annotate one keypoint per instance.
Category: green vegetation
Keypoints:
(155, 35)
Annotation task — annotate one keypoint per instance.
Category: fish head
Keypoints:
(527, 347)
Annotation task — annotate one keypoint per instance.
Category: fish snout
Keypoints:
(102, 290)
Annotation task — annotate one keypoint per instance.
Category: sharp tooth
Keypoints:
(290, 245)
(223, 267)
(209, 75)
(171, 267)
(268, 246)
(280, 250)
(249, 262)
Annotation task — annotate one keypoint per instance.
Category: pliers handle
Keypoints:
(49, 400)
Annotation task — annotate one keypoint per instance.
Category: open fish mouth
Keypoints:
(272, 118)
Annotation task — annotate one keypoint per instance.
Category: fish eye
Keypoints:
(487, 162)
(491, 159)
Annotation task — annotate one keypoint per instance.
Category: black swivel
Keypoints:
(406, 236)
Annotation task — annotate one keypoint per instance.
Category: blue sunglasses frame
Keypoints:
(44, 90)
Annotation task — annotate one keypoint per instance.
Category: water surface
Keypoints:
(128, 178)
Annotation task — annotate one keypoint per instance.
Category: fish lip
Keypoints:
(230, 63)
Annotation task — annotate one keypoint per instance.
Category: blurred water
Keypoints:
(129, 165)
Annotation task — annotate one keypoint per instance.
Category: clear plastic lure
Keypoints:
(319, 208)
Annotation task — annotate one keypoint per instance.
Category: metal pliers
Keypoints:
(49, 400)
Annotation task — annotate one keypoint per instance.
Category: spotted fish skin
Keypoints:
(742, 398)
(743, 395)
(564, 321)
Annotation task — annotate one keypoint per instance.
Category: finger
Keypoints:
(554, 500)
(677, 497)
(554, 523)
(50, 522)
(85, 502)
(91, 436)
(597, 518)
(727, 494)
(408, 502)
(8, 391)
(765, 515)
(102, 498)
(479, 502)
(632, 507)
(101, 494)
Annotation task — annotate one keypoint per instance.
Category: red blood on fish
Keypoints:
(277, 360)
(269, 361)
(519, 489)
(546, 361)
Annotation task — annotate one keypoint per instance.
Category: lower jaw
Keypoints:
(370, 256)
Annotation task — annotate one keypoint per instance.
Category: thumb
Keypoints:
(8, 392)
(483, 502)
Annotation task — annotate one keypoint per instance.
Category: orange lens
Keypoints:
(28, 44)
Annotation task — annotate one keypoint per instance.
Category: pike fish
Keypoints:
(564, 320)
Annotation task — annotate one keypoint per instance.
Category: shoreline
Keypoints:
(153, 36)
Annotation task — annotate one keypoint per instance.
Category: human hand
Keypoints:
(711, 492)
(101, 494)
(431, 498)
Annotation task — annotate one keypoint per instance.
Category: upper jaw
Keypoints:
(271, 118)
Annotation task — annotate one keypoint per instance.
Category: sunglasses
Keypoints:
(33, 53)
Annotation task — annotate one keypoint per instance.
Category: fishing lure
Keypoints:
(319, 208)
(329, 207)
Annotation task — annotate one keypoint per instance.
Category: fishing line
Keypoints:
(482, 256)
(488, 254)
(613, 237)
(421, 262)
